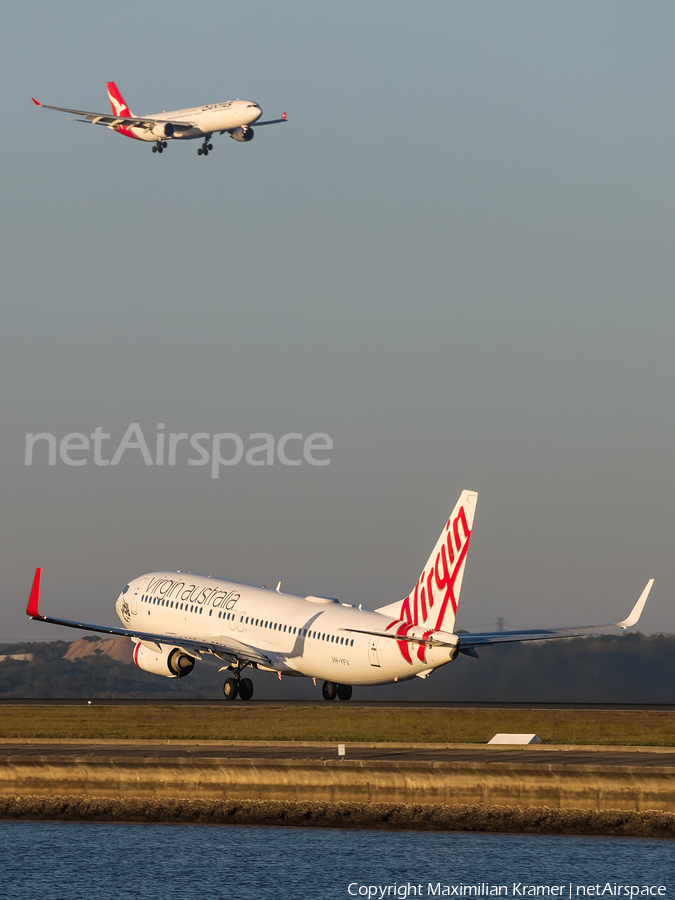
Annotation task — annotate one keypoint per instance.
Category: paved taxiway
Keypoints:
(45, 750)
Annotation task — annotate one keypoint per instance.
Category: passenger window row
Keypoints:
(303, 632)
(261, 623)
(157, 601)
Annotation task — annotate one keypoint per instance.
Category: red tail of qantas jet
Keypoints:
(175, 619)
(233, 117)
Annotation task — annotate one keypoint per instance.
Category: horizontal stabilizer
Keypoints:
(428, 641)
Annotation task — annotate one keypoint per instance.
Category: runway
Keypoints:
(361, 704)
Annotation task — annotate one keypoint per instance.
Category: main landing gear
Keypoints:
(206, 146)
(159, 147)
(238, 686)
(331, 690)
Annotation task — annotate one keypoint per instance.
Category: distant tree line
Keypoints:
(631, 668)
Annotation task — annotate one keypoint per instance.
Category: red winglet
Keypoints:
(34, 600)
(35, 101)
(283, 115)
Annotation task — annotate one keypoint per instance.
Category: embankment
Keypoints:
(190, 773)
(545, 788)
(383, 816)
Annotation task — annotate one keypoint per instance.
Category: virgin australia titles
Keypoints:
(224, 449)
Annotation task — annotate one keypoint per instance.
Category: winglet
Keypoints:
(283, 115)
(35, 101)
(636, 612)
(34, 600)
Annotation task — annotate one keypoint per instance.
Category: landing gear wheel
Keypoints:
(160, 150)
(206, 152)
(199, 152)
(164, 144)
(231, 689)
(344, 691)
(209, 146)
(329, 690)
(245, 689)
(154, 149)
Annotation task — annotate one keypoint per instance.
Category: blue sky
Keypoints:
(455, 259)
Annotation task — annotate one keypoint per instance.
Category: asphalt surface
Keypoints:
(140, 750)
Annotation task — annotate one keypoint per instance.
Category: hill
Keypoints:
(630, 668)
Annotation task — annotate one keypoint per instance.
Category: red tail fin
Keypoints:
(119, 106)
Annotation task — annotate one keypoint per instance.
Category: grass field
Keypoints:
(337, 723)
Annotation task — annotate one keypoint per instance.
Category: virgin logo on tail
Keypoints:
(435, 588)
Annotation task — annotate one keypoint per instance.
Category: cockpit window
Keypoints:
(125, 589)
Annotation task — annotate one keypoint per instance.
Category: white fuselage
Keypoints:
(204, 120)
(299, 635)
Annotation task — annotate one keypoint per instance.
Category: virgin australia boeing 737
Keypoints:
(233, 116)
(175, 619)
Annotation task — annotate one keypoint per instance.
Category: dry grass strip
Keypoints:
(339, 723)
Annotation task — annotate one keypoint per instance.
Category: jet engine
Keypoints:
(242, 135)
(162, 130)
(171, 661)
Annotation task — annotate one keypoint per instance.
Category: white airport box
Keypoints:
(515, 739)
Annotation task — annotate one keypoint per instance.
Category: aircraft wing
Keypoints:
(109, 119)
(221, 647)
(468, 642)
(283, 118)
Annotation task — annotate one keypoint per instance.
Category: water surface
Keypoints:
(108, 861)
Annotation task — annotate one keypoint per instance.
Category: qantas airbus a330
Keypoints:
(233, 117)
(175, 619)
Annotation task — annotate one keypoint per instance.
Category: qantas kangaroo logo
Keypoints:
(427, 603)
(117, 103)
(118, 108)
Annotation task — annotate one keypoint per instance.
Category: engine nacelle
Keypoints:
(172, 662)
(243, 135)
(162, 130)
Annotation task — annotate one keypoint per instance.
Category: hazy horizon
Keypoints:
(455, 260)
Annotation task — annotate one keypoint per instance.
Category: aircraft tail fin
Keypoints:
(117, 101)
(434, 599)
